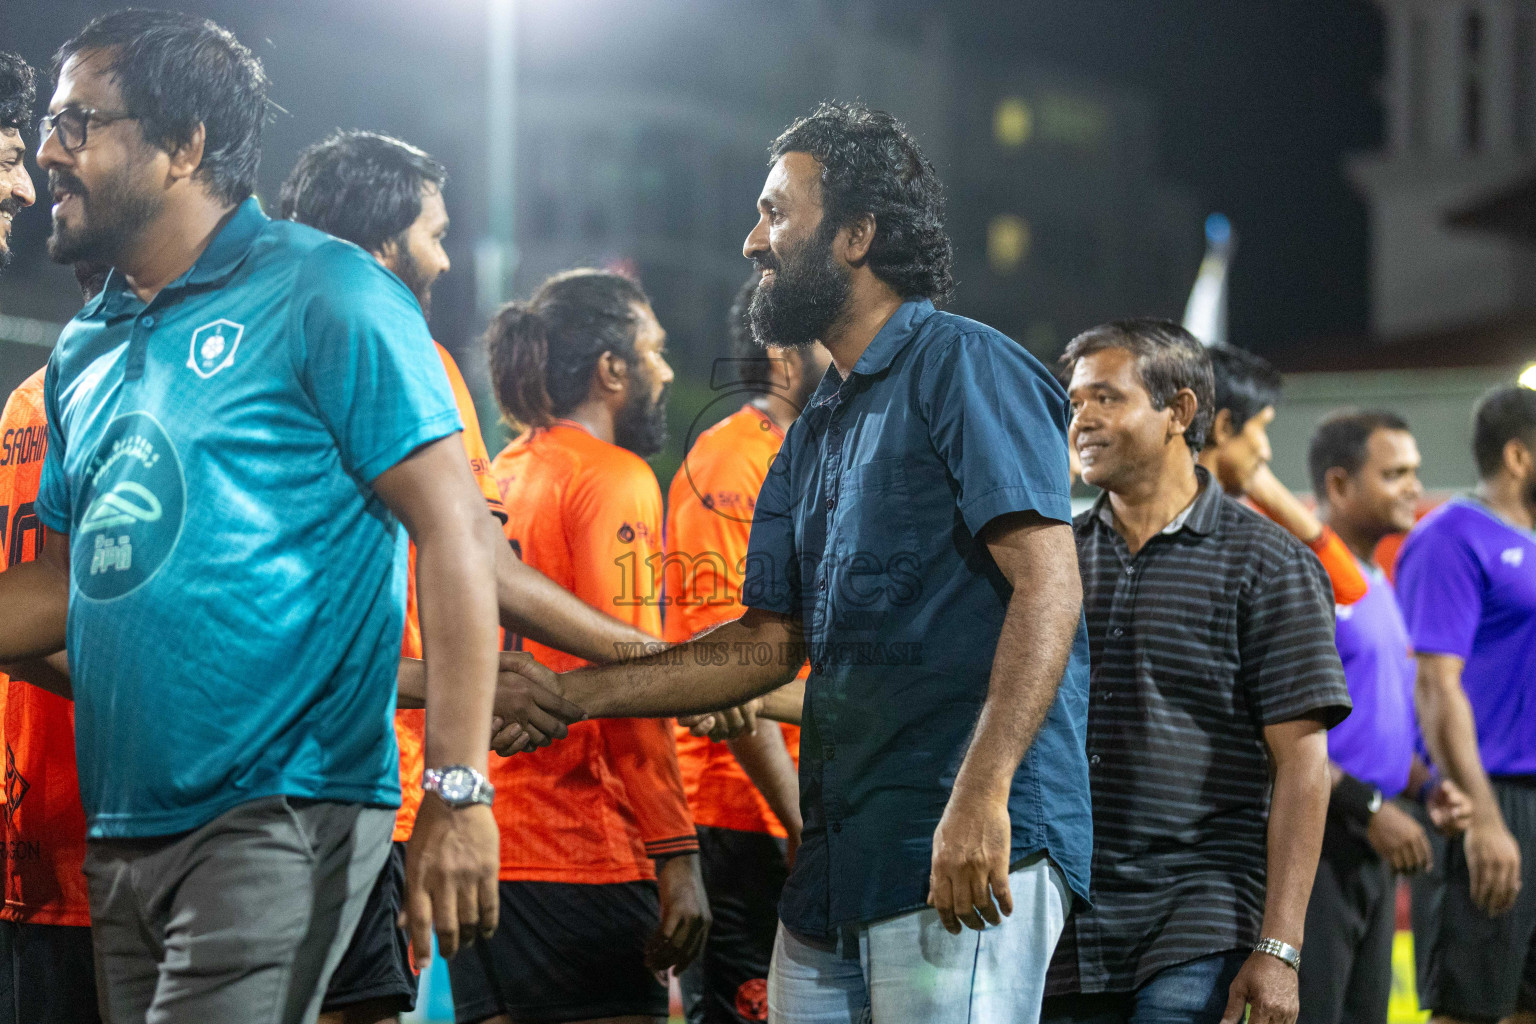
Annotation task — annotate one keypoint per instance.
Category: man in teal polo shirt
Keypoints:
(235, 425)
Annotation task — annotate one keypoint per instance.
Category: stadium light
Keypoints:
(495, 252)
(1527, 378)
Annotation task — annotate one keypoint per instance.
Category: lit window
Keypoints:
(1012, 123)
(1007, 242)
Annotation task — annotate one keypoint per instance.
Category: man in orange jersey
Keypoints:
(48, 972)
(599, 862)
(744, 793)
(385, 196)
(1237, 453)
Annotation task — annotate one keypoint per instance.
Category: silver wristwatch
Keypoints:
(458, 785)
(1282, 951)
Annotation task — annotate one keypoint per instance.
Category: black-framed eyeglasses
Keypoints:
(73, 125)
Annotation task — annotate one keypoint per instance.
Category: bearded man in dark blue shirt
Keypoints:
(912, 539)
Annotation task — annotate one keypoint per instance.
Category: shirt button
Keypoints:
(147, 321)
(1094, 759)
(1119, 631)
(1107, 697)
(829, 754)
(816, 668)
(1130, 570)
(822, 585)
(831, 503)
(837, 826)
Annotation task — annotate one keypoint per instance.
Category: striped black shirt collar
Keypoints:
(1199, 516)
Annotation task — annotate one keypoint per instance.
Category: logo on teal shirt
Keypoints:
(134, 499)
(213, 347)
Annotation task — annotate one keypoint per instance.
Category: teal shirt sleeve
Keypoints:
(53, 506)
(368, 361)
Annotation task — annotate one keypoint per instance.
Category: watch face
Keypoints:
(458, 785)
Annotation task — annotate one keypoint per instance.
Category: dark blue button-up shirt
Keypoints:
(867, 529)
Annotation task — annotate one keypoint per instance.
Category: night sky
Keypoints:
(1259, 103)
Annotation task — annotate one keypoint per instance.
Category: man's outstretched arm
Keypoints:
(49, 673)
(971, 846)
(711, 672)
(535, 606)
(34, 599)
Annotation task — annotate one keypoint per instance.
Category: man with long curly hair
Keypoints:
(913, 537)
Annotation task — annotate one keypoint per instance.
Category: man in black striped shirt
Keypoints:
(1214, 679)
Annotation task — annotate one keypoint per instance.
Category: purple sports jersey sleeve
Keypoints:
(1467, 584)
(1440, 585)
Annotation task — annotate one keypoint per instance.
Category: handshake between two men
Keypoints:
(720, 697)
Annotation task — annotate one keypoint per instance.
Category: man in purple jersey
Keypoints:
(1364, 468)
(1467, 583)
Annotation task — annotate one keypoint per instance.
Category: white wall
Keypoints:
(1436, 403)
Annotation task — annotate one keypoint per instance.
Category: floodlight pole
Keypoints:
(496, 252)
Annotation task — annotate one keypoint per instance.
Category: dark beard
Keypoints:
(114, 215)
(409, 271)
(806, 297)
(641, 425)
(11, 206)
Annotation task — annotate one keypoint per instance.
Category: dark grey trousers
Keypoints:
(1346, 972)
(243, 919)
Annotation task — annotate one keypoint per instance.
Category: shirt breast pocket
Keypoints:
(872, 533)
(1197, 640)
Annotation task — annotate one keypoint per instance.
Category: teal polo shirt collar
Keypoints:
(229, 247)
(218, 262)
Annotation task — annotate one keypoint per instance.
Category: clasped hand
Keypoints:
(529, 710)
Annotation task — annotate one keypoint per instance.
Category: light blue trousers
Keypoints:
(909, 969)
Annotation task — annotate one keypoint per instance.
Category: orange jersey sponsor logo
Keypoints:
(44, 822)
(597, 806)
(709, 524)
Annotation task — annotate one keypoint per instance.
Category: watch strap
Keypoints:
(1282, 951)
(481, 790)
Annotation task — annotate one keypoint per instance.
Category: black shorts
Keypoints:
(1481, 968)
(48, 975)
(377, 964)
(563, 952)
(744, 873)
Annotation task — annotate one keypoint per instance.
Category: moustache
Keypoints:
(68, 182)
(765, 261)
(10, 206)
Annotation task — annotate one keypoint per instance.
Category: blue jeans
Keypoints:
(909, 969)
(1189, 993)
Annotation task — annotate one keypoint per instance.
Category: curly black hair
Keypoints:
(871, 165)
(18, 92)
